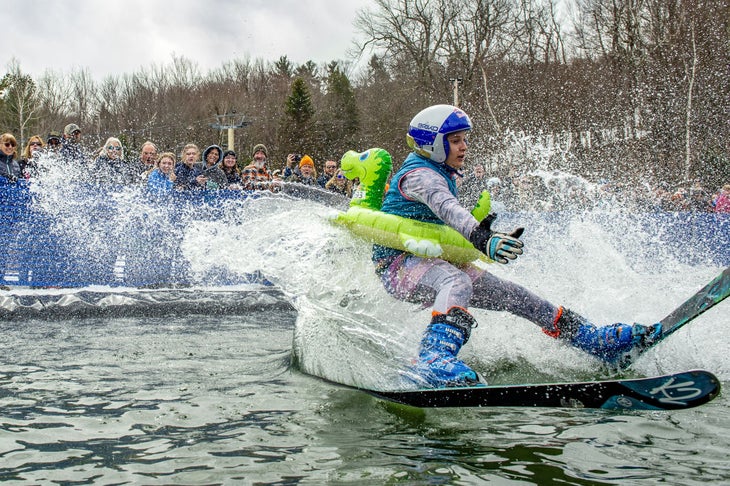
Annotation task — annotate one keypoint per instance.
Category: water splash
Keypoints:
(608, 263)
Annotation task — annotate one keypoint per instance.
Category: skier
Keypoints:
(424, 189)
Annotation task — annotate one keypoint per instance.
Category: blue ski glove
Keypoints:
(499, 247)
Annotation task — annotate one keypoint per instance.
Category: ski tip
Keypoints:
(675, 391)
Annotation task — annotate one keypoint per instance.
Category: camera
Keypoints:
(297, 157)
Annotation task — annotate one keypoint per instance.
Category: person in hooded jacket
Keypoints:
(208, 174)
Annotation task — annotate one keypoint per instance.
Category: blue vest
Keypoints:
(396, 203)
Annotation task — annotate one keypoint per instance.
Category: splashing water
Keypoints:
(604, 265)
(608, 264)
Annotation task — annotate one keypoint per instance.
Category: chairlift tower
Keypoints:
(457, 82)
(230, 121)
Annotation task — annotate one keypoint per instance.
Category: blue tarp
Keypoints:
(91, 238)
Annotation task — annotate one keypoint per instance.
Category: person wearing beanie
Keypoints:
(256, 176)
(259, 147)
(306, 160)
(53, 141)
(307, 173)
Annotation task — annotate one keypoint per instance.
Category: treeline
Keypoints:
(628, 90)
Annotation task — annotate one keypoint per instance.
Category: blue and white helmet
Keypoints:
(428, 129)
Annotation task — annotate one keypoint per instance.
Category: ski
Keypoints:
(708, 296)
(711, 294)
(669, 392)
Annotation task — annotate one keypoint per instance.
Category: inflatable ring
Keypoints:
(365, 219)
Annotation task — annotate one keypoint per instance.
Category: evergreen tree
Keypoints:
(299, 112)
(377, 73)
(339, 122)
(299, 103)
(308, 71)
(283, 67)
(341, 101)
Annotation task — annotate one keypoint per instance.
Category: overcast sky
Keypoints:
(122, 36)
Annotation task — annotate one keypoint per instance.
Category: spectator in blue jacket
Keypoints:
(330, 169)
(162, 178)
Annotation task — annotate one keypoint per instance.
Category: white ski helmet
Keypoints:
(428, 129)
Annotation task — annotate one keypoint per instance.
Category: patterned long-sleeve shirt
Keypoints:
(430, 188)
(256, 178)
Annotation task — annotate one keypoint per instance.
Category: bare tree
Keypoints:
(691, 71)
(21, 104)
(83, 88)
(612, 28)
(409, 33)
(643, 81)
(54, 96)
(539, 33)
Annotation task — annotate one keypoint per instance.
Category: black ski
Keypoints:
(708, 296)
(668, 392)
(711, 294)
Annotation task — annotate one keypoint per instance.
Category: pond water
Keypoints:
(186, 397)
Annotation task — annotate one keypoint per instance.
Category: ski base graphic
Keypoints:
(668, 392)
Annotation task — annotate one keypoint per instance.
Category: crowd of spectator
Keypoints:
(210, 169)
(556, 191)
(214, 168)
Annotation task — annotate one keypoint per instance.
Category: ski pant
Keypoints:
(442, 285)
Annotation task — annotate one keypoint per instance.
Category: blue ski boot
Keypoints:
(610, 343)
(437, 365)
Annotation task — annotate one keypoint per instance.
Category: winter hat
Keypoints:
(259, 147)
(306, 160)
(71, 128)
(227, 153)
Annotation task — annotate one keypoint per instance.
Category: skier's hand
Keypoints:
(500, 247)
